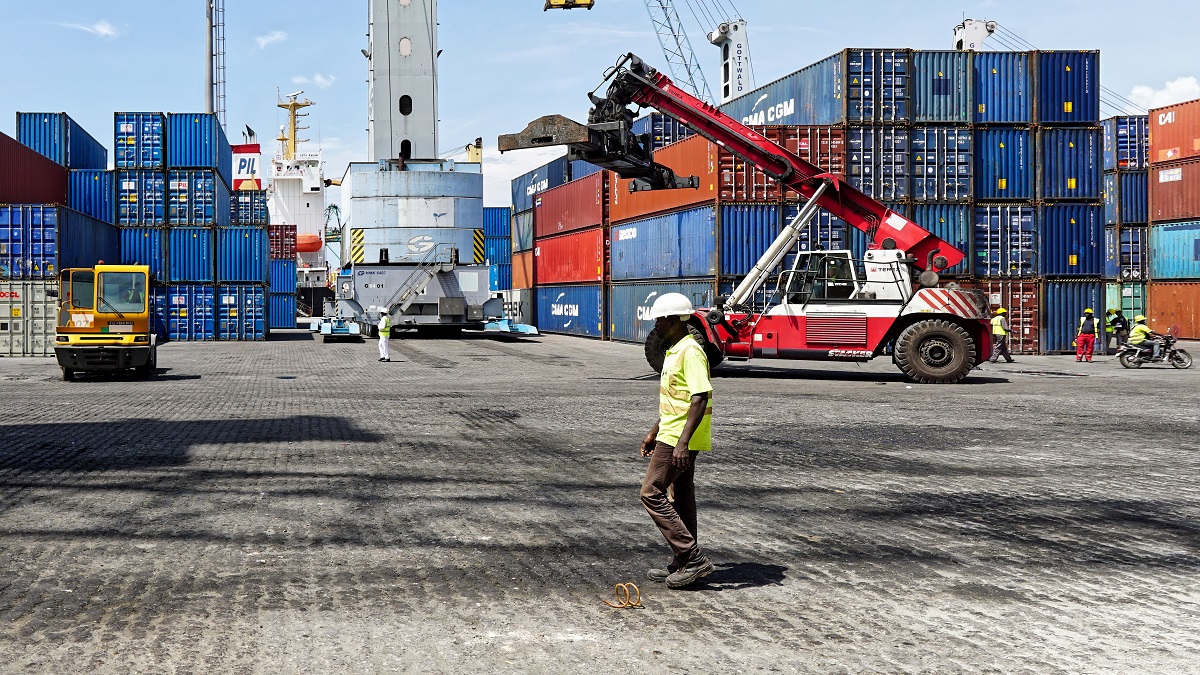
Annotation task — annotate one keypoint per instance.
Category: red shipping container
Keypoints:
(693, 156)
(283, 241)
(570, 258)
(1175, 191)
(1023, 300)
(1175, 132)
(1174, 307)
(820, 145)
(26, 177)
(522, 270)
(572, 206)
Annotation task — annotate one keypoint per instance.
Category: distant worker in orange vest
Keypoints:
(1000, 331)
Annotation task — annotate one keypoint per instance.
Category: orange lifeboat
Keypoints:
(308, 243)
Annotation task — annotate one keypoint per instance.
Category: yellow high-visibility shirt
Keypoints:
(998, 325)
(1139, 333)
(684, 374)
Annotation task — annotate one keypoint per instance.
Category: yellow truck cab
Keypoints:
(104, 320)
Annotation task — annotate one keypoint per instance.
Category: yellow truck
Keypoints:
(104, 321)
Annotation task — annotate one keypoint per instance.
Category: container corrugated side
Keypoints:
(1005, 241)
(1068, 87)
(1175, 132)
(500, 277)
(1003, 87)
(1175, 251)
(141, 198)
(522, 231)
(1063, 302)
(93, 192)
(61, 139)
(139, 140)
(1023, 300)
(943, 164)
(1004, 164)
(571, 310)
(1126, 197)
(497, 250)
(1126, 142)
(629, 305)
(27, 177)
(1174, 307)
(145, 246)
(823, 231)
(190, 312)
(1069, 161)
(578, 168)
(1071, 240)
(283, 276)
(576, 205)
(1175, 191)
(241, 312)
(941, 89)
(28, 316)
(693, 156)
(522, 270)
(38, 240)
(191, 254)
(281, 310)
(663, 129)
(950, 222)
(249, 207)
(243, 255)
(1125, 252)
(527, 186)
(577, 257)
(197, 141)
(807, 96)
(497, 221)
(746, 232)
(197, 197)
(680, 244)
(879, 161)
(878, 86)
(1129, 297)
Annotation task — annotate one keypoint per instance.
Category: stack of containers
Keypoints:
(1173, 294)
(1126, 212)
(497, 245)
(569, 250)
(281, 245)
(525, 189)
(39, 233)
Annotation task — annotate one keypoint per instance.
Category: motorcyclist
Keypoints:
(1142, 337)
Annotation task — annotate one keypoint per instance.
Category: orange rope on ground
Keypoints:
(628, 596)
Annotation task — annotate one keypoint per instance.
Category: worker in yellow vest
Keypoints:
(1000, 331)
(385, 335)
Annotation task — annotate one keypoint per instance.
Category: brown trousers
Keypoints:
(676, 520)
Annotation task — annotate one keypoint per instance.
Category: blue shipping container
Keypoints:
(1071, 240)
(500, 278)
(243, 255)
(60, 138)
(241, 312)
(1068, 87)
(190, 312)
(858, 241)
(663, 130)
(525, 187)
(942, 86)
(497, 221)
(145, 246)
(158, 311)
(878, 161)
(573, 310)
(950, 222)
(1003, 88)
(191, 254)
(283, 276)
(1069, 163)
(139, 140)
(197, 197)
(877, 85)
(1175, 251)
(629, 305)
(580, 169)
(93, 192)
(281, 308)
(746, 232)
(522, 232)
(141, 198)
(1126, 197)
(498, 250)
(249, 207)
(1126, 143)
(1063, 302)
(824, 232)
(38, 240)
(1124, 253)
(943, 164)
(1005, 241)
(674, 245)
(1003, 164)
(778, 102)
(197, 141)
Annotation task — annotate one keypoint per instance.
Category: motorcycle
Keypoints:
(1133, 356)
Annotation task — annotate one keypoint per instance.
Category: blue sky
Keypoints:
(504, 62)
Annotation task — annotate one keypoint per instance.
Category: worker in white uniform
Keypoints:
(385, 334)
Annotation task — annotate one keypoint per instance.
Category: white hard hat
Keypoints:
(671, 304)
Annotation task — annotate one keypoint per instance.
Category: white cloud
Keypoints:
(270, 38)
(101, 28)
(320, 80)
(1175, 91)
(499, 170)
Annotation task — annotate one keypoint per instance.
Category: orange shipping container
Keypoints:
(1174, 307)
(572, 258)
(693, 156)
(1023, 300)
(1175, 132)
(522, 270)
(822, 146)
(1175, 191)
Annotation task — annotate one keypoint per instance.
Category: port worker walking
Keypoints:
(1000, 331)
(683, 431)
(385, 335)
(1085, 337)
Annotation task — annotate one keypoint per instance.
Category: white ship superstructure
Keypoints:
(296, 194)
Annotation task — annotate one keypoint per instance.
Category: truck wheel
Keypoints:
(656, 350)
(68, 374)
(935, 352)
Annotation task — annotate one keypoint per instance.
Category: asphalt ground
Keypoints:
(298, 507)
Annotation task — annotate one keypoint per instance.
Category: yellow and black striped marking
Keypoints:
(479, 252)
(358, 245)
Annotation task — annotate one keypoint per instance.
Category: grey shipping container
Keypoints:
(629, 304)
(28, 312)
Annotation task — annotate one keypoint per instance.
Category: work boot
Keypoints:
(697, 566)
(660, 575)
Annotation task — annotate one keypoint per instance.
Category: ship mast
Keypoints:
(288, 133)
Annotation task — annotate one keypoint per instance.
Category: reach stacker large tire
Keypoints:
(656, 349)
(935, 351)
